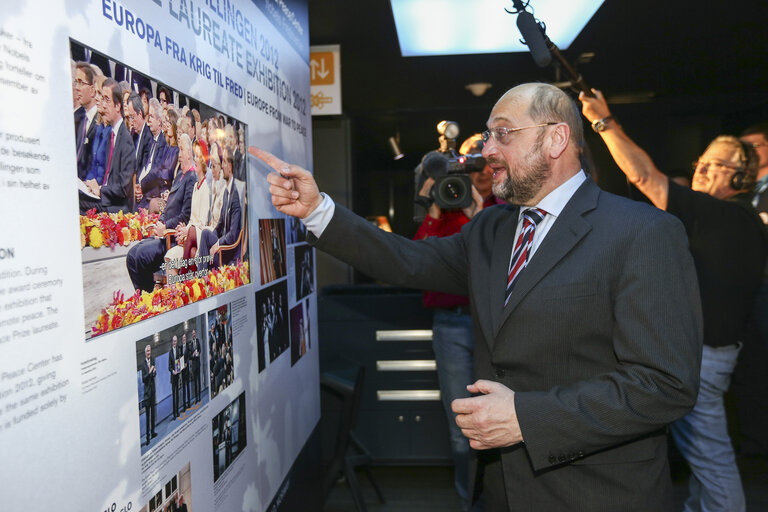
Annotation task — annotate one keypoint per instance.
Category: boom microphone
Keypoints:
(534, 38)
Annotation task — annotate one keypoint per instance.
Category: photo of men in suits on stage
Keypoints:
(169, 373)
(300, 334)
(175, 495)
(229, 439)
(272, 249)
(303, 258)
(220, 365)
(162, 194)
(272, 323)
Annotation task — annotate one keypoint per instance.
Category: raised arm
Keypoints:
(631, 158)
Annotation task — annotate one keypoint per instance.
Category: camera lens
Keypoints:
(452, 191)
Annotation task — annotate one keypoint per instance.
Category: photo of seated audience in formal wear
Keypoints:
(272, 323)
(272, 249)
(174, 496)
(220, 365)
(303, 258)
(162, 194)
(229, 438)
(172, 383)
(300, 335)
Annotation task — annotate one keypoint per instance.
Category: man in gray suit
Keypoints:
(585, 308)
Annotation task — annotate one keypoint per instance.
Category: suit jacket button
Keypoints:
(552, 459)
(571, 457)
(561, 458)
(500, 373)
(580, 454)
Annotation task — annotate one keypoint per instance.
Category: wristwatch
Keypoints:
(599, 125)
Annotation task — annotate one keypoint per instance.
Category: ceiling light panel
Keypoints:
(458, 27)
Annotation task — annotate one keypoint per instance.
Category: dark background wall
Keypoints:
(676, 74)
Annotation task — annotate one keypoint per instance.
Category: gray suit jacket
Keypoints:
(601, 341)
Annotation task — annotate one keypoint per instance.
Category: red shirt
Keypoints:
(448, 224)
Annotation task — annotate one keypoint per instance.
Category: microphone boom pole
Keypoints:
(534, 34)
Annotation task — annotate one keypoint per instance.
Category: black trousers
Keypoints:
(150, 415)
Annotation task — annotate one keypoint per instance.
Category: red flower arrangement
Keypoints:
(142, 305)
(110, 229)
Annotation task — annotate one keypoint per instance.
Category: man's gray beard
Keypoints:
(529, 176)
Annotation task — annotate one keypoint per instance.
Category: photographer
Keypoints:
(727, 243)
(452, 338)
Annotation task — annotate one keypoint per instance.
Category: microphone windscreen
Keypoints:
(534, 38)
(435, 164)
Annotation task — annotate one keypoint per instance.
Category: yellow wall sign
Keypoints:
(325, 79)
(321, 68)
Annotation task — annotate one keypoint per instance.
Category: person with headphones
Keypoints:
(728, 245)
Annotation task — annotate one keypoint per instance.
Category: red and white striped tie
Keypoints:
(531, 217)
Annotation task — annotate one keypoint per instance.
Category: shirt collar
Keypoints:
(116, 128)
(554, 202)
(91, 113)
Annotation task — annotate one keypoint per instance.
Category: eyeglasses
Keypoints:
(501, 133)
(714, 165)
(81, 83)
(756, 145)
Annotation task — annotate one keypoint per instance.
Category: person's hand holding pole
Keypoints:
(594, 107)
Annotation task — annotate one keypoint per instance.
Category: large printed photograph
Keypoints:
(272, 323)
(221, 364)
(229, 435)
(172, 379)
(161, 183)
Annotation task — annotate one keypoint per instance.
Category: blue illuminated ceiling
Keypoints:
(459, 27)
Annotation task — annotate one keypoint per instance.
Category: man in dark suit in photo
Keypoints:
(218, 368)
(146, 257)
(185, 383)
(116, 191)
(238, 159)
(148, 374)
(174, 356)
(155, 175)
(194, 364)
(581, 363)
(85, 115)
(135, 113)
(228, 228)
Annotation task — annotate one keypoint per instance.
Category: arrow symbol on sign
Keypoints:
(322, 72)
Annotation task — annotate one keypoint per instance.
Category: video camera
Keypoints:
(450, 170)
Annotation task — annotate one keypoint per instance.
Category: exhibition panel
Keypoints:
(158, 323)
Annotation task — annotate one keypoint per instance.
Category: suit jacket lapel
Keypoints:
(568, 229)
(91, 132)
(116, 144)
(505, 242)
(139, 141)
(177, 180)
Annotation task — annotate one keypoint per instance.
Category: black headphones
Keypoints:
(737, 180)
(740, 181)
